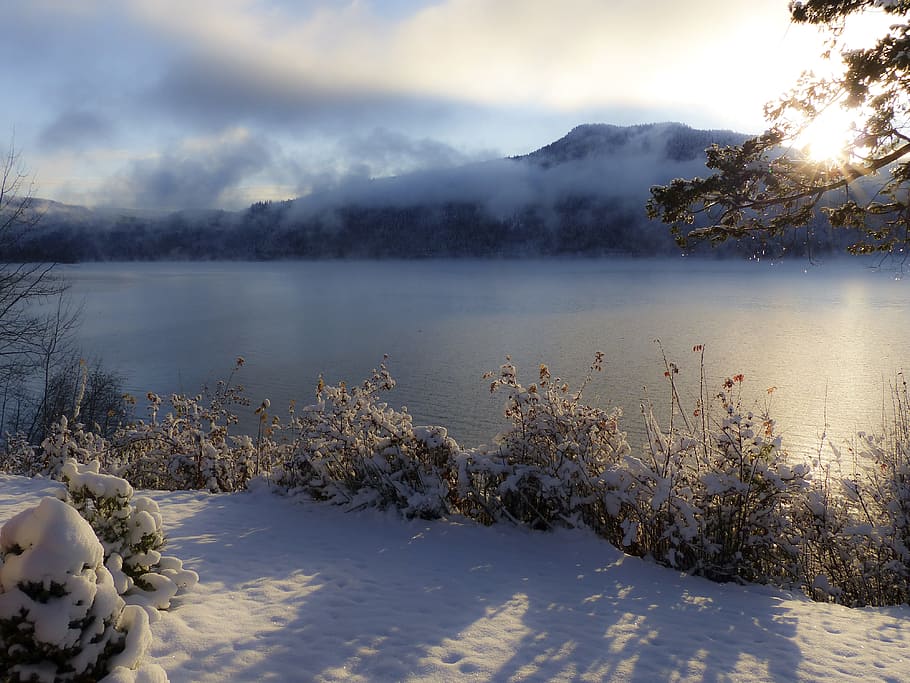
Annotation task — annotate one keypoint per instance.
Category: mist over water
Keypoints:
(829, 338)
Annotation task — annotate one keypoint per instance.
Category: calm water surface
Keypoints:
(829, 338)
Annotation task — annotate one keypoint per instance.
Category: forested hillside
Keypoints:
(581, 195)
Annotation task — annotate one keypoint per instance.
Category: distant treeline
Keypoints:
(576, 226)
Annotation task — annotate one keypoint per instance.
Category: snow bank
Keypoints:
(302, 591)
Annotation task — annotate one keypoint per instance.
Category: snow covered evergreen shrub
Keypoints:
(61, 618)
(351, 448)
(129, 529)
(548, 467)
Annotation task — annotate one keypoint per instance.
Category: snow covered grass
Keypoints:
(296, 590)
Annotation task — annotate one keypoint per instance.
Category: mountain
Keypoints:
(583, 194)
(675, 142)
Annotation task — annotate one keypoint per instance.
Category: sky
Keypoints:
(172, 104)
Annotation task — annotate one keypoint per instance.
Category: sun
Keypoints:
(829, 137)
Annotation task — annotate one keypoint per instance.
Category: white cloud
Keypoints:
(567, 55)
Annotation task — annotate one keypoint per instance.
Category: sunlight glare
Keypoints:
(828, 137)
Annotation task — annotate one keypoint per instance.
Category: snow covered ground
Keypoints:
(299, 591)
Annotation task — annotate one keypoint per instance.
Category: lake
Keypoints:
(829, 338)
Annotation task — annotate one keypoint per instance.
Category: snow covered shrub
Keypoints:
(189, 447)
(660, 514)
(61, 618)
(880, 500)
(749, 495)
(868, 562)
(887, 498)
(854, 536)
(351, 448)
(547, 468)
(129, 529)
(18, 456)
(716, 494)
(837, 555)
(65, 441)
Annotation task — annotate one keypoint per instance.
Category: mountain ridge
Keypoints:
(682, 142)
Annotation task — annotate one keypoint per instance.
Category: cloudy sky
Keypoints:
(202, 103)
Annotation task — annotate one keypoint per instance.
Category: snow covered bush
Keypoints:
(749, 494)
(885, 500)
(714, 492)
(61, 618)
(856, 538)
(18, 456)
(66, 441)
(711, 491)
(547, 468)
(84, 392)
(129, 529)
(656, 499)
(189, 447)
(880, 499)
(351, 448)
(835, 553)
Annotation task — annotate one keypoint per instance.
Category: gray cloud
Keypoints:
(202, 90)
(384, 152)
(196, 176)
(221, 92)
(75, 129)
